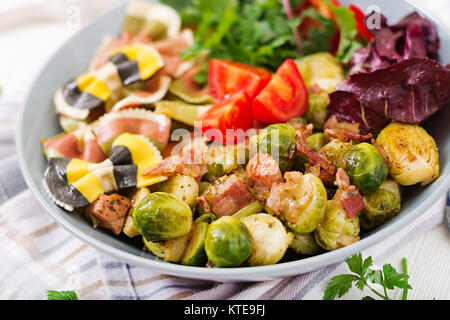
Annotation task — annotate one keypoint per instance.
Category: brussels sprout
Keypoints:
(160, 216)
(228, 242)
(224, 160)
(128, 227)
(170, 250)
(270, 239)
(316, 113)
(195, 254)
(412, 153)
(365, 167)
(337, 229)
(317, 140)
(301, 202)
(380, 206)
(277, 140)
(334, 150)
(305, 218)
(250, 209)
(305, 244)
(183, 188)
(322, 70)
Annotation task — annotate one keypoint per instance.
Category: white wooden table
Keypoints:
(27, 40)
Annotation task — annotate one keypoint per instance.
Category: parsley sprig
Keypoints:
(61, 295)
(363, 276)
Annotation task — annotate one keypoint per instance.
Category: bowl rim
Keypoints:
(257, 273)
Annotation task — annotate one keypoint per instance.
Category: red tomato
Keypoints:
(219, 124)
(228, 77)
(360, 25)
(284, 98)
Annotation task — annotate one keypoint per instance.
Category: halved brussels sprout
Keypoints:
(228, 242)
(182, 187)
(337, 229)
(128, 227)
(316, 141)
(306, 203)
(321, 69)
(334, 150)
(381, 206)
(365, 167)
(270, 239)
(170, 250)
(160, 216)
(412, 153)
(276, 140)
(305, 244)
(195, 254)
(317, 111)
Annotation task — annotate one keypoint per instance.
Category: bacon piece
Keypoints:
(226, 196)
(190, 162)
(353, 204)
(348, 194)
(344, 130)
(327, 168)
(109, 211)
(264, 170)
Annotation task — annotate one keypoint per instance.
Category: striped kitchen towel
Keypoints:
(37, 255)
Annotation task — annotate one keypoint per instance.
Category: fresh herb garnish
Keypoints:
(61, 295)
(363, 275)
(261, 33)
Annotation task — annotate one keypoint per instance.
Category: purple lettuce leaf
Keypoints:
(409, 91)
(412, 37)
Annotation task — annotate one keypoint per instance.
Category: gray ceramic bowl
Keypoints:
(38, 120)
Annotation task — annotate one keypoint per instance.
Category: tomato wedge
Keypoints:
(228, 77)
(284, 98)
(360, 25)
(221, 123)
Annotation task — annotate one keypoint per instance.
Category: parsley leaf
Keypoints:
(61, 295)
(252, 32)
(387, 277)
(338, 286)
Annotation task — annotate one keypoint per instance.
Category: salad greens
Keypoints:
(263, 33)
(363, 275)
(348, 42)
